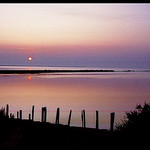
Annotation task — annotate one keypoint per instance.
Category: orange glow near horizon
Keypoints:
(68, 25)
(29, 68)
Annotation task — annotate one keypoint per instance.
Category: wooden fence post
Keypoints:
(33, 113)
(97, 122)
(42, 114)
(83, 118)
(11, 115)
(17, 115)
(29, 116)
(45, 113)
(112, 118)
(69, 118)
(20, 114)
(7, 111)
(57, 116)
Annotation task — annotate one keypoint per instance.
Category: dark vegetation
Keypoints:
(133, 132)
(136, 122)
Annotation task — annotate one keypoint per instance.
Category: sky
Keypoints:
(103, 35)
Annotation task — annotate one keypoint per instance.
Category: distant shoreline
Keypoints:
(60, 71)
(48, 71)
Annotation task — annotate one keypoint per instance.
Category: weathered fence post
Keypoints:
(57, 116)
(20, 114)
(83, 118)
(29, 116)
(33, 113)
(7, 111)
(11, 115)
(44, 114)
(97, 122)
(112, 118)
(17, 115)
(69, 118)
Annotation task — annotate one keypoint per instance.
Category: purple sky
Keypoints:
(94, 35)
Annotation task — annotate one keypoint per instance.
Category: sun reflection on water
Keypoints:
(29, 77)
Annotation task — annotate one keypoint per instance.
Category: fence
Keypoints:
(44, 117)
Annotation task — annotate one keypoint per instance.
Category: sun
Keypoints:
(30, 58)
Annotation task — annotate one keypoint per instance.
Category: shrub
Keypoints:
(2, 112)
(137, 121)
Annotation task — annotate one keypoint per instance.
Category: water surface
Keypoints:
(106, 92)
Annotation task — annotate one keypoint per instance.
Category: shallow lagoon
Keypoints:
(106, 92)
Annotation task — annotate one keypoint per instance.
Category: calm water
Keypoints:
(106, 92)
(64, 68)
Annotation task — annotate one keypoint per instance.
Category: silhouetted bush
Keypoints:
(137, 121)
(2, 113)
